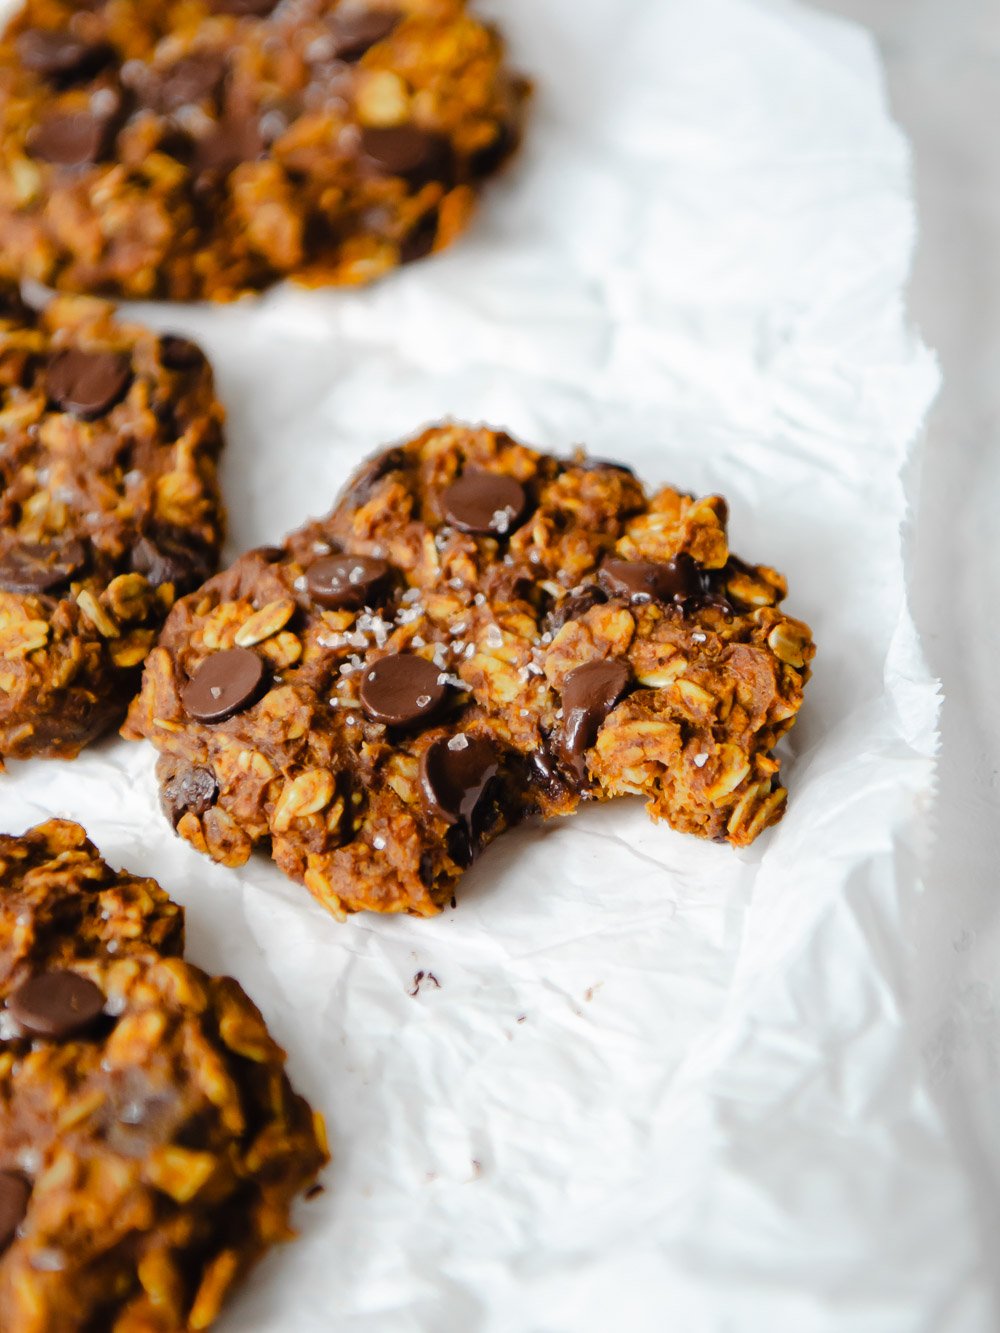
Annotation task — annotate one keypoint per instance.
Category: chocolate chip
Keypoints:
(87, 383)
(339, 581)
(647, 580)
(607, 465)
(179, 353)
(486, 160)
(32, 567)
(486, 503)
(419, 240)
(70, 138)
(405, 150)
(234, 140)
(195, 78)
(588, 695)
(168, 559)
(575, 605)
(60, 55)
(224, 684)
(372, 470)
(193, 790)
(55, 1004)
(14, 1195)
(401, 689)
(257, 9)
(355, 31)
(455, 772)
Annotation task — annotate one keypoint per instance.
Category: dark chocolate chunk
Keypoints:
(419, 240)
(224, 684)
(359, 486)
(575, 605)
(401, 689)
(455, 772)
(352, 581)
(234, 140)
(31, 567)
(588, 695)
(652, 581)
(193, 789)
(70, 138)
(484, 161)
(60, 55)
(55, 1004)
(485, 503)
(257, 9)
(356, 30)
(407, 151)
(14, 1195)
(87, 384)
(194, 78)
(180, 353)
(164, 558)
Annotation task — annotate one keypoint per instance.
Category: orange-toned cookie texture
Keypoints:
(207, 148)
(150, 1143)
(477, 632)
(109, 508)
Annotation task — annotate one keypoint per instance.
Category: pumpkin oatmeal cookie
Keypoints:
(150, 1143)
(194, 149)
(478, 632)
(109, 508)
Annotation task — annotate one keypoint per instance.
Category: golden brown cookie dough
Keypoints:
(195, 149)
(477, 633)
(109, 508)
(150, 1143)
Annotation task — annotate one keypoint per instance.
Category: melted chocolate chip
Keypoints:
(372, 470)
(14, 1195)
(164, 558)
(652, 581)
(588, 695)
(70, 138)
(224, 684)
(257, 9)
(179, 353)
(575, 605)
(87, 384)
(401, 689)
(31, 567)
(455, 772)
(55, 1004)
(234, 140)
(60, 56)
(339, 581)
(607, 465)
(485, 503)
(419, 240)
(405, 150)
(193, 790)
(195, 78)
(356, 31)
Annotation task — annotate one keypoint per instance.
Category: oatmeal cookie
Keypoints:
(109, 508)
(194, 149)
(150, 1143)
(476, 633)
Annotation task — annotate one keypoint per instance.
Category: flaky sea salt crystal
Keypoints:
(458, 742)
(378, 842)
(700, 760)
(494, 636)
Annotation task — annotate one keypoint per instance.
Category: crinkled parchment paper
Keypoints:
(662, 1085)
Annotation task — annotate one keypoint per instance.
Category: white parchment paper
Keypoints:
(662, 1085)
